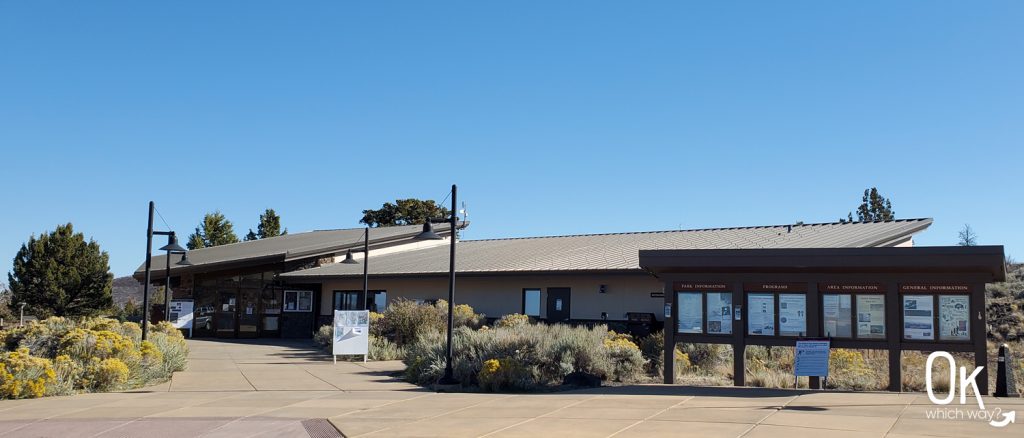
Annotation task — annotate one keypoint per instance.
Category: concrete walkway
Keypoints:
(289, 389)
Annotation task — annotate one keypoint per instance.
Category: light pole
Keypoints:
(171, 246)
(172, 239)
(428, 234)
(21, 323)
(366, 261)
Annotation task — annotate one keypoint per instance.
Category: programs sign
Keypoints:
(351, 332)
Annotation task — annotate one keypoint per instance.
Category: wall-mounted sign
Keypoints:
(954, 317)
(910, 288)
(851, 287)
(657, 294)
(918, 317)
(692, 286)
(775, 287)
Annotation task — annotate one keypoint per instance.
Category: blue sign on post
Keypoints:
(811, 358)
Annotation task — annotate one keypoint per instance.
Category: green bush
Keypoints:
(324, 337)
(523, 357)
(383, 349)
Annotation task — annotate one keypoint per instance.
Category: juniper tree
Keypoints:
(213, 231)
(60, 274)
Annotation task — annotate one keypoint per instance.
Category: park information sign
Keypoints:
(351, 333)
(811, 358)
(180, 314)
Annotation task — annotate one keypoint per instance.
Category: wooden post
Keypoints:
(978, 329)
(739, 331)
(813, 325)
(894, 335)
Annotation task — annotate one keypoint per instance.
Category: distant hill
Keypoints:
(126, 288)
(1006, 305)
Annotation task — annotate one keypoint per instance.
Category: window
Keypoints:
(377, 301)
(531, 302)
(347, 300)
(837, 314)
(761, 314)
(298, 301)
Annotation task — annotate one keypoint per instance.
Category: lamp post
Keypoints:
(172, 242)
(428, 234)
(172, 246)
(366, 261)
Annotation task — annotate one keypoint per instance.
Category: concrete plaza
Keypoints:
(290, 389)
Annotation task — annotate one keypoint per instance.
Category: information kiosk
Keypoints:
(895, 299)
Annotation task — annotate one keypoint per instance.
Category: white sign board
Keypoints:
(351, 333)
(181, 314)
(918, 317)
(811, 358)
(691, 320)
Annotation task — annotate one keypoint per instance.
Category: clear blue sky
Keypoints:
(552, 118)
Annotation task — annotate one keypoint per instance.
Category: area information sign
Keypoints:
(351, 333)
(811, 358)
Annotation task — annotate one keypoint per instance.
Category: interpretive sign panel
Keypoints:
(691, 316)
(871, 316)
(180, 314)
(761, 314)
(792, 314)
(719, 313)
(351, 333)
(918, 317)
(837, 314)
(811, 358)
(954, 317)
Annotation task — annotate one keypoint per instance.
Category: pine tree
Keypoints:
(270, 226)
(215, 230)
(404, 212)
(60, 274)
(967, 236)
(873, 207)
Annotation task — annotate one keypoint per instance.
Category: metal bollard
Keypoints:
(1005, 386)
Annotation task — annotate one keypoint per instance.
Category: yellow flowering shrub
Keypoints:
(24, 376)
(68, 374)
(512, 320)
(105, 374)
(84, 344)
(504, 373)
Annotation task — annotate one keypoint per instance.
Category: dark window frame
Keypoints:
(540, 300)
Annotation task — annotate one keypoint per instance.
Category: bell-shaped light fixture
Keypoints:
(184, 259)
(172, 245)
(349, 260)
(427, 233)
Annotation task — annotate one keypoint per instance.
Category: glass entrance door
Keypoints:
(248, 315)
(227, 303)
(270, 305)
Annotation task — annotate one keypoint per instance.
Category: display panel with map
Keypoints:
(719, 313)
(792, 314)
(918, 317)
(691, 317)
(871, 316)
(761, 314)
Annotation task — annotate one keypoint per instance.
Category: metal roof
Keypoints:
(284, 248)
(617, 252)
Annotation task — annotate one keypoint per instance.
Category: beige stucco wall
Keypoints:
(500, 295)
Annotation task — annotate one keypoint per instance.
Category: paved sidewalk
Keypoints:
(283, 388)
